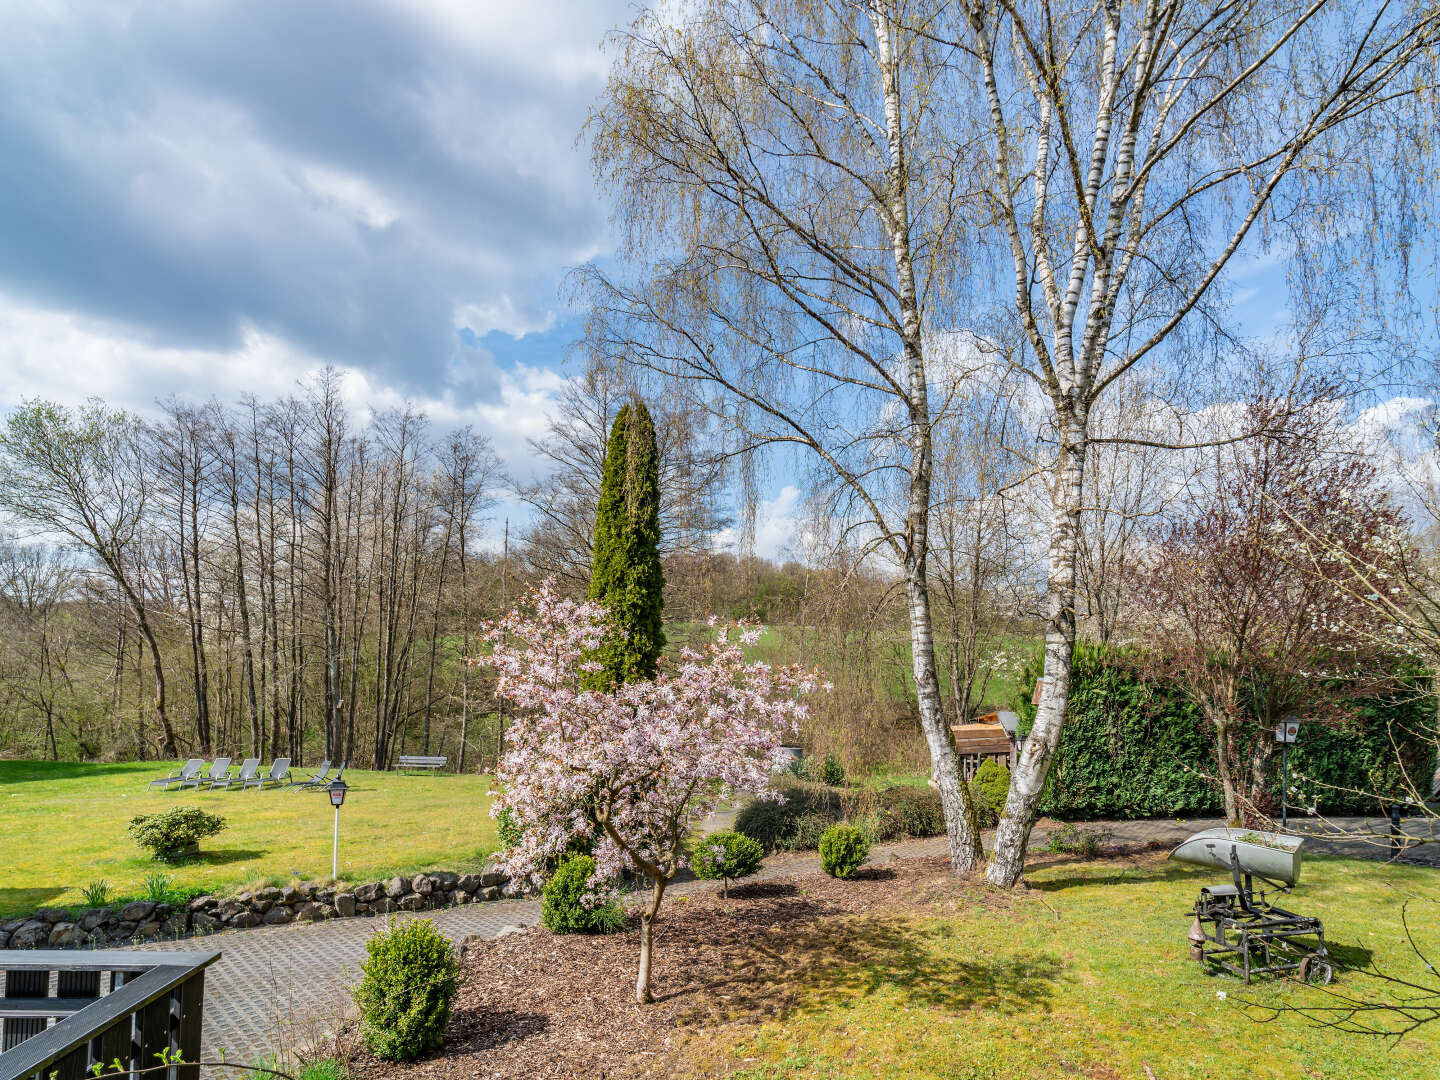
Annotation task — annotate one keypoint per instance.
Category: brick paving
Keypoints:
(280, 986)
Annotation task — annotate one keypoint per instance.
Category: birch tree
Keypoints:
(78, 476)
(790, 209)
(1135, 151)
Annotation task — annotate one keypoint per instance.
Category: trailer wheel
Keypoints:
(1316, 970)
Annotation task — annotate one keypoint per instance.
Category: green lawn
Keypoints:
(1088, 977)
(62, 825)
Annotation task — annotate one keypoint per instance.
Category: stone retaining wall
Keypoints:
(144, 920)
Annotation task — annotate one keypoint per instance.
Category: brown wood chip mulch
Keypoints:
(541, 1005)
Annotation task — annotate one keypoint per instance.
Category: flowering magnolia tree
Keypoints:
(630, 771)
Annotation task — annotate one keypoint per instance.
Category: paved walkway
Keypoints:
(281, 986)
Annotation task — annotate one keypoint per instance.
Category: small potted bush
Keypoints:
(843, 850)
(725, 856)
(174, 835)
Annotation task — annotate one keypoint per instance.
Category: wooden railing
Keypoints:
(141, 1008)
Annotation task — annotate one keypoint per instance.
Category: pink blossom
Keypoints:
(631, 771)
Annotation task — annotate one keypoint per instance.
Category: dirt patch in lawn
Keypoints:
(541, 1005)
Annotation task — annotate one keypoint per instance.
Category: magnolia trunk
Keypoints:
(1027, 780)
(647, 927)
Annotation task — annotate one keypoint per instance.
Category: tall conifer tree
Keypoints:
(626, 575)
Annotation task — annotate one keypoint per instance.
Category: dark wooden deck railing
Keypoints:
(63, 1011)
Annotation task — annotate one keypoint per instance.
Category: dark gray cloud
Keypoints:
(361, 179)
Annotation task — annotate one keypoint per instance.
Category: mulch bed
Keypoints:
(541, 1005)
(538, 1005)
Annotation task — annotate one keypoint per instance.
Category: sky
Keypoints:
(217, 197)
(220, 197)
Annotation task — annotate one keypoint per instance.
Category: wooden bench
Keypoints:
(413, 761)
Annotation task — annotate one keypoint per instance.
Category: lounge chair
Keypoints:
(247, 771)
(339, 775)
(277, 774)
(189, 769)
(316, 780)
(218, 771)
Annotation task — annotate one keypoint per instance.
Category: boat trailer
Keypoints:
(1235, 927)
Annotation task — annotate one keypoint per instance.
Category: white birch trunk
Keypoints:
(961, 825)
(1027, 781)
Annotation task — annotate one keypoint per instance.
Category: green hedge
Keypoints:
(1132, 749)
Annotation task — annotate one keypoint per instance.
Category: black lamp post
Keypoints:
(337, 789)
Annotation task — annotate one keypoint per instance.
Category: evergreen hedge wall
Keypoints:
(1132, 749)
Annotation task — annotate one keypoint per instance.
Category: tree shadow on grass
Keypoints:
(27, 899)
(1132, 874)
(26, 772)
(920, 963)
(224, 857)
(1350, 957)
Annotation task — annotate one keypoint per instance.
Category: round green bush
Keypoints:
(843, 850)
(990, 788)
(832, 772)
(507, 829)
(174, 835)
(725, 856)
(406, 989)
(568, 903)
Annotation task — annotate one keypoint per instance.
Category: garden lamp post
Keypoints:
(337, 789)
(1286, 732)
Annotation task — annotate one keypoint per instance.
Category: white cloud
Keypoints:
(68, 358)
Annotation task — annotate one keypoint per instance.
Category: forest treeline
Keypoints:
(288, 577)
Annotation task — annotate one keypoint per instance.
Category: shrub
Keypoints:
(726, 856)
(809, 809)
(569, 905)
(1072, 839)
(832, 772)
(843, 850)
(406, 988)
(507, 829)
(989, 789)
(174, 835)
(903, 811)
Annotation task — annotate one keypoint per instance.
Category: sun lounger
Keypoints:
(339, 775)
(247, 771)
(218, 771)
(277, 774)
(316, 780)
(189, 769)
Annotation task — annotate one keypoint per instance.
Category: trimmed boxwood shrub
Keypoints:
(1136, 749)
(989, 789)
(406, 989)
(174, 835)
(725, 856)
(568, 904)
(843, 850)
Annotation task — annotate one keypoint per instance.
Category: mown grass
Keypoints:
(63, 825)
(1087, 978)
